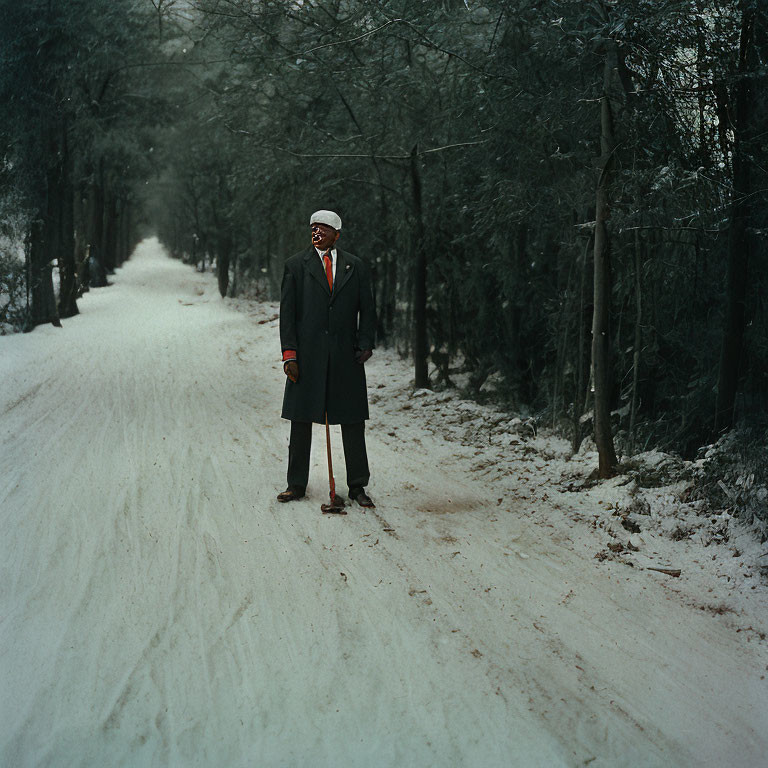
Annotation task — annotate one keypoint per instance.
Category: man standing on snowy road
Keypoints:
(327, 328)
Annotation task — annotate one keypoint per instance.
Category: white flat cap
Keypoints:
(326, 217)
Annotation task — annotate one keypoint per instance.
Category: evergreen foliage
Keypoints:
(462, 135)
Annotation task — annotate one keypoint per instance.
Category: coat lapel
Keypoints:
(315, 268)
(344, 271)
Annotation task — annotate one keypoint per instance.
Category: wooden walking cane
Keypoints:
(336, 506)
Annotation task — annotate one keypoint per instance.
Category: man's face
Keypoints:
(323, 236)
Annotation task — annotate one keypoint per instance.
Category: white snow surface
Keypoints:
(159, 607)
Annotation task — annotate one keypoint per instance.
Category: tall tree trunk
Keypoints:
(739, 243)
(39, 279)
(96, 269)
(234, 287)
(389, 292)
(223, 256)
(421, 374)
(513, 316)
(65, 201)
(638, 338)
(580, 397)
(121, 236)
(130, 235)
(50, 242)
(80, 212)
(223, 240)
(119, 256)
(601, 351)
(125, 232)
(110, 231)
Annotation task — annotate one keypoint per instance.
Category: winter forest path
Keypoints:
(159, 607)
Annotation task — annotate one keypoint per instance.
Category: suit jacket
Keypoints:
(326, 328)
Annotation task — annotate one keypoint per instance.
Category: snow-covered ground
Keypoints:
(159, 607)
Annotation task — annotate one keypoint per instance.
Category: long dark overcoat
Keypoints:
(326, 328)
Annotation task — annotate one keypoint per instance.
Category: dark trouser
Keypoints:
(355, 456)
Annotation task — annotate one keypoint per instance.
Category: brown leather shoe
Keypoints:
(361, 497)
(291, 493)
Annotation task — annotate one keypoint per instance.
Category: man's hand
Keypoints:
(362, 355)
(291, 368)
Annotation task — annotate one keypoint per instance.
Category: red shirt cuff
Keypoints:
(289, 354)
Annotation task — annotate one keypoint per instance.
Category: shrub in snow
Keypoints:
(12, 293)
(733, 474)
(654, 469)
(14, 224)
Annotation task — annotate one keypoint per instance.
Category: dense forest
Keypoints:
(564, 202)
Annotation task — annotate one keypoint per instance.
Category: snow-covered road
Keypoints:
(159, 607)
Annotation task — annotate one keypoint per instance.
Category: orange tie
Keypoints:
(328, 268)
